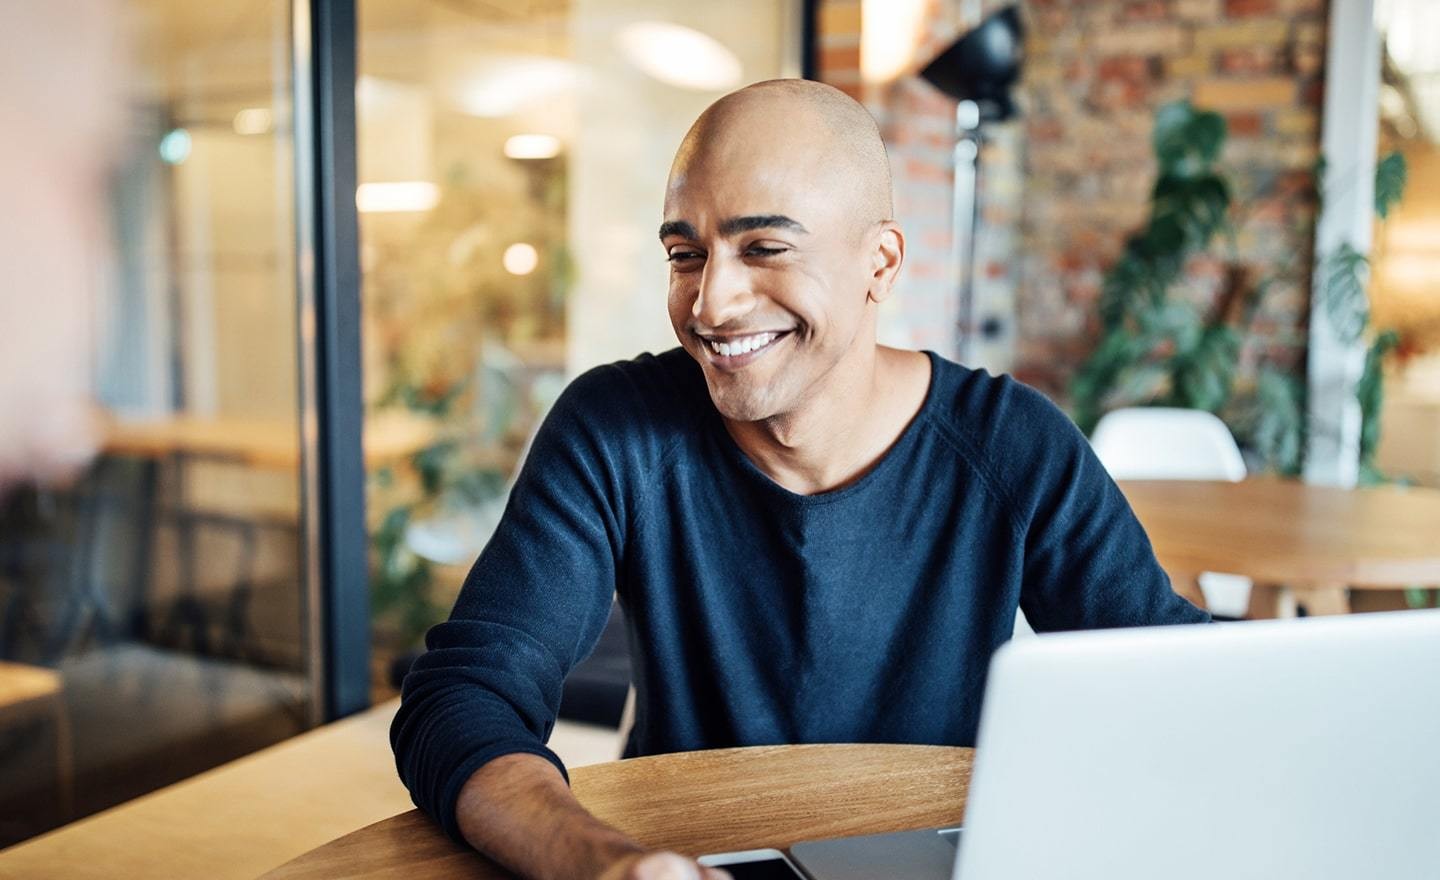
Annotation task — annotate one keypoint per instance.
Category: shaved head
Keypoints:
(781, 245)
(806, 125)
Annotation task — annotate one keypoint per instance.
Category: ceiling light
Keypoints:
(520, 258)
(254, 120)
(504, 86)
(396, 196)
(680, 56)
(889, 35)
(532, 146)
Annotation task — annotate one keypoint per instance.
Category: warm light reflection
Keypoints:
(679, 56)
(520, 258)
(506, 84)
(1410, 272)
(1412, 235)
(254, 120)
(396, 196)
(532, 146)
(889, 34)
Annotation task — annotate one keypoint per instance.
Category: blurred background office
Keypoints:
(178, 339)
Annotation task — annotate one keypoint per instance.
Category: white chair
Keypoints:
(1160, 443)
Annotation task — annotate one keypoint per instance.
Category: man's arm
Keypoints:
(518, 810)
(478, 706)
(1088, 561)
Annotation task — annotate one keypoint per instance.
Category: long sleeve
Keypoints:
(1087, 560)
(532, 607)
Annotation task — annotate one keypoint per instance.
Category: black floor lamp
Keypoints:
(978, 71)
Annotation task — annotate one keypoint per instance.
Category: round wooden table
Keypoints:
(1318, 540)
(696, 803)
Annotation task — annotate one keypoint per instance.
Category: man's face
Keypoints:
(769, 279)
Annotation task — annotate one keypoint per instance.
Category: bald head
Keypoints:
(795, 128)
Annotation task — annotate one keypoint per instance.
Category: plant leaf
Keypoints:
(1390, 176)
(1342, 289)
(1279, 428)
(1370, 391)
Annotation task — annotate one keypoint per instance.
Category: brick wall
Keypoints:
(1095, 74)
(918, 124)
(1062, 188)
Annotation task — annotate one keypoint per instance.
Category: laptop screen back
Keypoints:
(1304, 748)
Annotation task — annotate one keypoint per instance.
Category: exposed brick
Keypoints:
(842, 58)
(1145, 10)
(1190, 66)
(1245, 124)
(1116, 94)
(1251, 60)
(1199, 10)
(1148, 39)
(1309, 33)
(1245, 94)
(1247, 8)
(1304, 123)
(1095, 70)
(1242, 34)
(916, 169)
(839, 18)
(1044, 129)
(1307, 60)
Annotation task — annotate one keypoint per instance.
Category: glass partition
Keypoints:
(1405, 282)
(152, 615)
(513, 158)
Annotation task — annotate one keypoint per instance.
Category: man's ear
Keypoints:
(887, 245)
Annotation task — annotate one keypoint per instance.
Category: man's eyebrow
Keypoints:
(751, 222)
(733, 225)
(677, 227)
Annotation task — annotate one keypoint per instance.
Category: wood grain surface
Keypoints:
(696, 802)
(1286, 532)
(272, 443)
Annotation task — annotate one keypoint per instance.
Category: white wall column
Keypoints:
(1348, 143)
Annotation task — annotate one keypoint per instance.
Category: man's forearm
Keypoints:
(518, 810)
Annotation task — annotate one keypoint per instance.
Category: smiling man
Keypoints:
(816, 538)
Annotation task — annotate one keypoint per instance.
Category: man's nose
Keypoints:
(724, 293)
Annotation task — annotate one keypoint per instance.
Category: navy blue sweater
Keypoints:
(758, 616)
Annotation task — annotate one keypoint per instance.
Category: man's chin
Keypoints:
(742, 404)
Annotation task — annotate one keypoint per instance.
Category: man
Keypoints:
(816, 538)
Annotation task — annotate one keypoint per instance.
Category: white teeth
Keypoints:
(744, 345)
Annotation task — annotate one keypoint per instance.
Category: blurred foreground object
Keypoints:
(61, 108)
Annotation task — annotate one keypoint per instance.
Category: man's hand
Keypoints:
(518, 810)
(660, 866)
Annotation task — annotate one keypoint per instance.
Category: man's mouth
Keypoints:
(736, 351)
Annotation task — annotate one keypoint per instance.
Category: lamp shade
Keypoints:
(983, 64)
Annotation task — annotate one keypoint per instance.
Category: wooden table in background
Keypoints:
(1318, 540)
(696, 803)
(265, 443)
(29, 692)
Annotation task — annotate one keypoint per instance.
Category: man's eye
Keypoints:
(759, 251)
(680, 256)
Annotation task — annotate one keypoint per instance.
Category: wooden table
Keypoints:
(263, 443)
(27, 692)
(1318, 540)
(696, 802)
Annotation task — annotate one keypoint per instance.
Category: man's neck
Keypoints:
(846, 426)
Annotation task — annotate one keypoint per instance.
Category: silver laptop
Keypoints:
(1303, 748)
